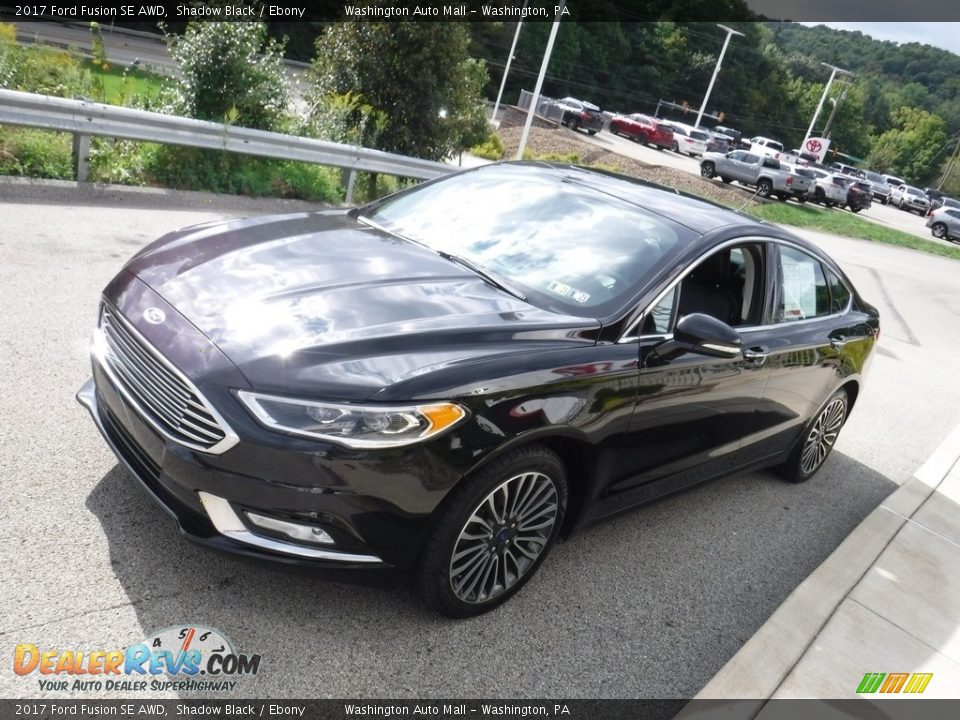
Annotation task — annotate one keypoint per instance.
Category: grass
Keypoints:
(848, 225)
(117, 85)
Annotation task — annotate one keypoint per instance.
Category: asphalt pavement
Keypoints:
(651, 604)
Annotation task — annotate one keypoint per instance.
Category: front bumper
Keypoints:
(210, 504)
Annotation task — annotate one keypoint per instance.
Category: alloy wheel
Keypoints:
(503, 537)
(822, 435)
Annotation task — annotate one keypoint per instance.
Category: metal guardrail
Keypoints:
(85, 119)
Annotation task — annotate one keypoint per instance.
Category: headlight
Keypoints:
(356, 426)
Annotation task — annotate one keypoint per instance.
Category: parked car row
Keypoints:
(762, 163)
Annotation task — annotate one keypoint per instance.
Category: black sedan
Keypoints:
(448, 380)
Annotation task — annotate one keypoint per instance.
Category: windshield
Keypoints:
(568, 247)
(914, 191)
(873, 177)
(698, 135)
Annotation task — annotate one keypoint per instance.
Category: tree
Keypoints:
(231, 71)
(418, 77)
(912, 147)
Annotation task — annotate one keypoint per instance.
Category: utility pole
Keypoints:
(949, 168)
(506, 69)
(716, 71)
(535, 100)
(823, 98)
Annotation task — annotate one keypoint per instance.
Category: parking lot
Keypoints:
(650, 604)
(886, 215)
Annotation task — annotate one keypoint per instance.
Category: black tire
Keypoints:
(642, 139)
(939, 230)
(675, 147)
(726, 179)
(900, 204)
(533, 469)
(817, 439)
(764, 188)
(800, 199)
(707, 170)
(856, 209)
(819, 196)
(614, 129)
(574, 124)
(593, 132)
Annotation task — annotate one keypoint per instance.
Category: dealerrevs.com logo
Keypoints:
(180, 658)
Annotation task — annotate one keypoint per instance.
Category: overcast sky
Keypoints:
(941, 35)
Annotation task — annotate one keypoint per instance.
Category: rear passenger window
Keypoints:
(803, 291)
(839, 293)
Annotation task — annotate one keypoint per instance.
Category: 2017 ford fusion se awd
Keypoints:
(448, 380)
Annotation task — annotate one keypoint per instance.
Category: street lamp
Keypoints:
(730, 33)
(823, 98)
(543, 71)
(506, 69)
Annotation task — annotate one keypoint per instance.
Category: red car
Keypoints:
(643, 129)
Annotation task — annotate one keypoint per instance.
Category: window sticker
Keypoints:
(799, 289)
(568, 292)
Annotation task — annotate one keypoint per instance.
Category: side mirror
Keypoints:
(703, 335)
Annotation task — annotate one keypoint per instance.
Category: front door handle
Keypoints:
(756, 355)
(838, 342)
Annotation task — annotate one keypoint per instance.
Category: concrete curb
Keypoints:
(762, 664)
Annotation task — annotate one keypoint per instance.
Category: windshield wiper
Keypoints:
(491, 279)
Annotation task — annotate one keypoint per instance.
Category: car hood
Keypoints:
(321, 304)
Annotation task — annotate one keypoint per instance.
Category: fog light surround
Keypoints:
(300, 532)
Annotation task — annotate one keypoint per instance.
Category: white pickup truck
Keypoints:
(764, 173)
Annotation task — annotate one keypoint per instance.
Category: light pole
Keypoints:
(836, 106)
(506, 69)
(823, 99)
(534, 101)
(716, 71)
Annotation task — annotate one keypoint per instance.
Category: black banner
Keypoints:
(176, 11)
(888, 709)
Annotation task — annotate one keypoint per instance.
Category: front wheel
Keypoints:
(675, 147)
(817, 439)
(856, 208)
(592, 132)
(707, 170)
(493, 533)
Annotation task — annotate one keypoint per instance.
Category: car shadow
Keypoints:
(649, 604)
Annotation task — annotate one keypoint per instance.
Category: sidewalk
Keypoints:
(886, 601)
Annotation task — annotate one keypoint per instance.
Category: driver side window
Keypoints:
(727, 285)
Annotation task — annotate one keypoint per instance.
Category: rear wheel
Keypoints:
(642, 138)
(574, 124)
(764, 188)
(939, 230)
(494, 532)
(817, 439)
(593, 132)
(674, 146)
(614, 129)
(726, 179)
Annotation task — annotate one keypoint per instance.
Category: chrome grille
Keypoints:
(162, 395)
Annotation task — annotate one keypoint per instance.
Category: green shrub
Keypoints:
(36, 153)
(490, 149)
(10, 55)
(230, 67)
(215, 171)
(48, 71)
